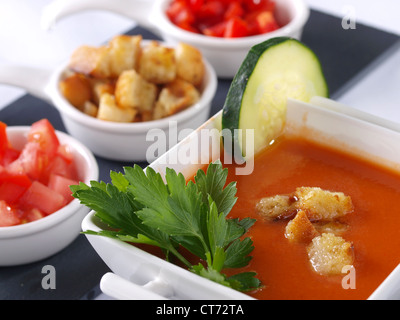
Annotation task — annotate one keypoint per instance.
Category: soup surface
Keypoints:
(283, 267)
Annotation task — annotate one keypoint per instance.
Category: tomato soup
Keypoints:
(284, 267)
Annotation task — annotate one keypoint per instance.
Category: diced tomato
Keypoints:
(185, 17)
(26, 192)
(188, 27)
(257, 5)
(261, 22)
(243, 17)
(33, 215)
(212, 11)
(236, 27)
(9, 156)
(43, 198)
(32, 161)
(8, 215)
(7, 153)
(61, 185)
(44, 134)
(3, 139)
(65, 152)
(12, 186)
(266, 22)
(195, 5)
(64, 166)
(234, 10)
(58, 165)
(216, 30)
(42, 145)
(179, 12)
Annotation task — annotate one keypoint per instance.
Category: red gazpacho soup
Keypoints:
(372, 226)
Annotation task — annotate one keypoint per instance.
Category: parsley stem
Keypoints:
(180, 257)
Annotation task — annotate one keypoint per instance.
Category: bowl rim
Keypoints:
(65, 212)
(158, 17)
(66, 109)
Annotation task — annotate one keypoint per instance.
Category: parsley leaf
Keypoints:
(213, 183)
(117, 209)
(140, 206)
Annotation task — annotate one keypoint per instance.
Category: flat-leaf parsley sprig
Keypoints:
(140, 207)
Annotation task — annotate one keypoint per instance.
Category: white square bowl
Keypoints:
(140, 275)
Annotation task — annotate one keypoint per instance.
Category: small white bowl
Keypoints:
(110, 140)
(140, 275)
(225, 55)
(40, 239)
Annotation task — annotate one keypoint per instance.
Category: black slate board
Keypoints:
(344, 55)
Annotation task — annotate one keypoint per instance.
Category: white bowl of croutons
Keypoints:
(128, 100)
(223, 30)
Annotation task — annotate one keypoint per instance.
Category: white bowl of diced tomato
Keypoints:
(38, 215)
(225, 30)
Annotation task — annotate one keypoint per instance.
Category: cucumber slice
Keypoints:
(273, 71)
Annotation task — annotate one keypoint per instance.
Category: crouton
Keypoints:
(321, 204)
(300, 229)
(174, 97)
(189, 64)
(142, 79)
(328, 254)
(76, 89)
(276, 207)
(93, 61)
(146, 115)
(133, 91)
(157, 63)
(90, 109)
(100, 86)
(109, 110)
(124, 53)
(335, 227)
